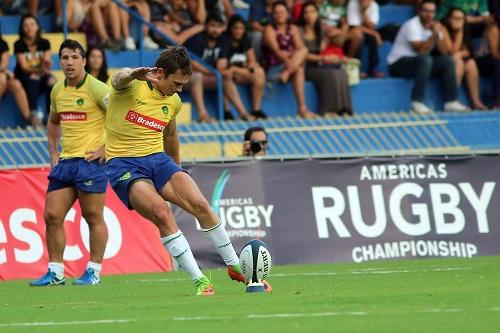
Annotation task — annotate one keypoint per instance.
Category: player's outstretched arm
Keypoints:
(122, 78)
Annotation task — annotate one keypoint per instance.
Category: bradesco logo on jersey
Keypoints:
(73, 116)
(145, 121)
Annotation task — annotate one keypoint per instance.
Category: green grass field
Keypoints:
(393, 296)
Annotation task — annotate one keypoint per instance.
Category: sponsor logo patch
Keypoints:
(73, 116)
(145, 121)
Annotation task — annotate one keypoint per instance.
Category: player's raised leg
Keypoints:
(92, 205)
(183, 191)
(57, 204)
(147, 202)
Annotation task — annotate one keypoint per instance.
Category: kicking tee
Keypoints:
(136, 118)
(82, 112)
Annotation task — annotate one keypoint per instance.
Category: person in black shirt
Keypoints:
(239, 65)
(9, 83)
(33, 65)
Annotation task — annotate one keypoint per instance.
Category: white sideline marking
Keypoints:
(278, 315)
(495, 309)
(61, 323)
(441, 310)
(352, 272)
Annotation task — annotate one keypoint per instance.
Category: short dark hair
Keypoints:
(215, 18)
(72, 45)
(251, 130)
(423, 2)
(174, 58)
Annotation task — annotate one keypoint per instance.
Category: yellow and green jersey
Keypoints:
(136, 118)
(82, 112)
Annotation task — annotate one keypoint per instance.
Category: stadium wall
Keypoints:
(307, 211)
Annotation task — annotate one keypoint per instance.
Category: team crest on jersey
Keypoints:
(80, 102)
(164, 109)
(125, 176)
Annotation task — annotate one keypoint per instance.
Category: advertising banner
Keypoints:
(353, 210)
(133, 246)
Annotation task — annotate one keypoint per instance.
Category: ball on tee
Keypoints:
(255, 261)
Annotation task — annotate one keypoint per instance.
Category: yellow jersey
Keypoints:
(136, 118)
(82, 112)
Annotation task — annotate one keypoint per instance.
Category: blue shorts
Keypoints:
(76, 172)
(123, 171)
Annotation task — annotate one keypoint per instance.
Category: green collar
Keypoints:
(79, 83)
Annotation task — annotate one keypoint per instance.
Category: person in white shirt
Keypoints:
(363, 17)
(411, 57)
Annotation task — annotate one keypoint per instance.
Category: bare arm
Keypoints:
(197, 10)
(122, 79)
(298, 42)
(424, 47)
(23, 63)
(197, 67)
(256, 26)
(4, 61)
(53, 134)
(171, 141)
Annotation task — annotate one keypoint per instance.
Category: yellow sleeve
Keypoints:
(178, 105)
(100, 93)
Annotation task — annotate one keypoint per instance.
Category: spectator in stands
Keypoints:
(160, 18)
(333, 14)
(96, 64)
(9, 83)
(463, 54)
(488, 59)
(239, 66)
(76, 13)
(104, 12)
(411, 57)
(260, 16)
(187, 12)
(19, 7)
(142, 8)
(254, 142)
(324, 70)
(477, 14)
(209, 46)
(363, 17)
(285, 54)
(221, 8)
(33, 65)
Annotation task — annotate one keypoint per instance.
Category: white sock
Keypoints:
(96, 267)
(220, 240)
(58, 268)
(178, 247)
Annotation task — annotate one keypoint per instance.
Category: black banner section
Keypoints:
(353, 210)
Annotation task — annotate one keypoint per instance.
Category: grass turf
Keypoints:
(432, 295)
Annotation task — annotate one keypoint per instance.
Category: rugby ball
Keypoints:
(255, 261)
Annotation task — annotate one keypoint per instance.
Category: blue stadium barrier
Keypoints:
(9, 25)
(397, 14)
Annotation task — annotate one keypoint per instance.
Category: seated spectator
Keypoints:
(33, 65)
(325, 70)
(488, 60)
(254, 142)
(96, 64)
(9, 83)
(333, 14)
(222, 8)
(463, 54)
(104, 12)
(209, 46)
(160, 18)
(411, 57)
(363, 17)
(142, 8)
(260, 16)
(76, 13)
(476, 11)
(285, 53)
(239, 66)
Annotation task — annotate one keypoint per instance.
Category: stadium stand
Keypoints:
(381, 124)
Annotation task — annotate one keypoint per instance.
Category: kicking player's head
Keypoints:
(72, 61)
(175, 69)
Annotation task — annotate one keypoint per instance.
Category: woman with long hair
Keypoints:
(240, 66)
(96, 64)
(463, 54)
(33, 65)
(324, 70)
(285, 53)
